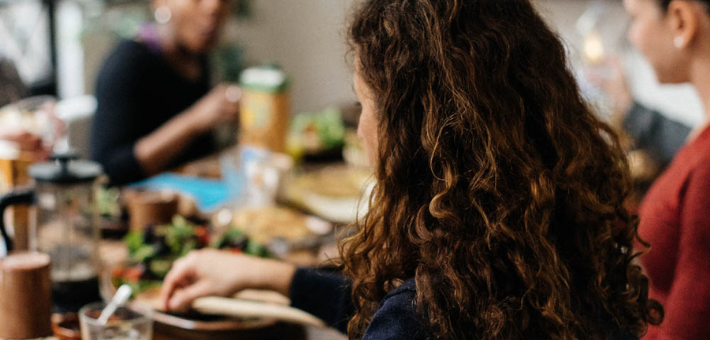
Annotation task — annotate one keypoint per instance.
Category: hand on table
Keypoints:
(217, 107)
(211, 272)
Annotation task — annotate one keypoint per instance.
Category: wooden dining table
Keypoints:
(114, 252)
(279, 331)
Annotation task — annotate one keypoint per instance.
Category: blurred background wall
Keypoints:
(306, 37)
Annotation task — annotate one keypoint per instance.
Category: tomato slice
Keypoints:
(202, 235)
(133, 273)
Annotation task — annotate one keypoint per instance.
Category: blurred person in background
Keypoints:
(26, 141)
(648, 129)
(156, 109)
(674, 35)
(498, 211)
(12, 89)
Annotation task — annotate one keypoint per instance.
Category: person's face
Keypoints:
(197, 24)
(367, 128)
(652, 35)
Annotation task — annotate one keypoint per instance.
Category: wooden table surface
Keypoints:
(114, 252)
(277, 332)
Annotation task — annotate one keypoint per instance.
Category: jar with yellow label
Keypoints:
(265, 108)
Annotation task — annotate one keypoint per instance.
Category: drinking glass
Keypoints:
(134, 322)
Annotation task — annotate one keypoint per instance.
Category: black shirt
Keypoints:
(328, 296)
(137, 92)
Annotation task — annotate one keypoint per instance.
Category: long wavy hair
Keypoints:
(498, 189)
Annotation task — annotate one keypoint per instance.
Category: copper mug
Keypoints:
(148, 207)
(25, 296)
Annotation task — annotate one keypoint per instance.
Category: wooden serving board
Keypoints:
(190, 322)
(197, 322)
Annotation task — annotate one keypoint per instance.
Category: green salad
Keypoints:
(153, 250)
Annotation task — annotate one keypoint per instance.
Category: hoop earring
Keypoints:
(163, 15)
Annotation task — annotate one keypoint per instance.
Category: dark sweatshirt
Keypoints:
(137, 92)
(328, 296)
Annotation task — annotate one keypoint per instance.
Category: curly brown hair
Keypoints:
(498, 189)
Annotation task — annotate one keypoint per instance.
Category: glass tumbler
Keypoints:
(134, 322)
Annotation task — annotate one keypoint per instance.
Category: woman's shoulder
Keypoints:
(128, 54)
(397, 317)
(126, 64)
(697, 151)
(408, 287)
(130, 48)
(697, 158)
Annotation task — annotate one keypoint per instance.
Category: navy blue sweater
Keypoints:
(328, 297)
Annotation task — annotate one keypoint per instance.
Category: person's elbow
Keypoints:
(119, 164)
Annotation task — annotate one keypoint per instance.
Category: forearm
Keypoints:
(271, 275)
(687, 308)
(157, 150)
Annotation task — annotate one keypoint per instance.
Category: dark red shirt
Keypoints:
(675, 220)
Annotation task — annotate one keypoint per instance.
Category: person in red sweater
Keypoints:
(674, 35)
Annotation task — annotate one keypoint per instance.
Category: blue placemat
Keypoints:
(209, 194)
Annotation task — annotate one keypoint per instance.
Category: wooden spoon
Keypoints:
(251, 309)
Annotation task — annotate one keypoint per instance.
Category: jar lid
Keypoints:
(268, 79)
(65, 169)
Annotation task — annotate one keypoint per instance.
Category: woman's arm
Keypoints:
(215, 273)
(156, 151)
(211, 272)
(118, 139)
(325, 295)
(687, 308)
(114, 126)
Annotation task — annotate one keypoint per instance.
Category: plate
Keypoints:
(338, 194)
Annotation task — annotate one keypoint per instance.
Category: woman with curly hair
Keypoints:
(499, 206)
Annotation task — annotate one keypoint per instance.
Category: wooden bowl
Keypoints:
(66, 326)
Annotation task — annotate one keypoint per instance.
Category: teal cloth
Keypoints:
(209, 194)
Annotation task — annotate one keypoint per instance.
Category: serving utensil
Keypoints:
(250, 309)
(122, 295)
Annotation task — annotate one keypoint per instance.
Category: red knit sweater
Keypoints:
(675, 219)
